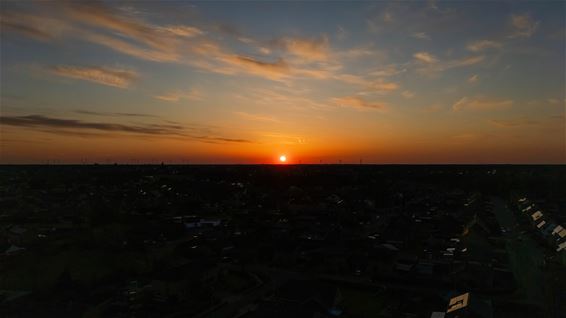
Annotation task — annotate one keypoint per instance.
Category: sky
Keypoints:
(248, 81)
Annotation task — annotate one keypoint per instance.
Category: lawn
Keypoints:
(358, 303)
(234, 281)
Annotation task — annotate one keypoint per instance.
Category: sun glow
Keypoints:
(282, 158)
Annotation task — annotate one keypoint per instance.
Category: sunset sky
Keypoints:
(247, 82)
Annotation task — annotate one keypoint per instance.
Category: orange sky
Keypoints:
(220, 82)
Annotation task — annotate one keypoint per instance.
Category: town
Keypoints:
(282, 241)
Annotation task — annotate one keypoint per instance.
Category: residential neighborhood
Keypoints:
(282, 241)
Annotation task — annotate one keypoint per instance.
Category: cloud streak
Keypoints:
(481, 104)
(425, 57)
(523, 25)
(98, 15)
(421, 36)
(115, 77)
(37, 27)
(435, 66)
(273, 70)
(359, 103)
(473, 79)
(121, 31)
(256, 117)
(65, 126)
(88, 112)
(176, 96)
(482, 45)
(508, 123)
(310, 49)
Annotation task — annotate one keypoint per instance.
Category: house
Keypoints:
(458, 303)
(468, 306)
(13, 249)
(557, 229)
(537, 215)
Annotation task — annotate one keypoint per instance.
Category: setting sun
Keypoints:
(283, 158)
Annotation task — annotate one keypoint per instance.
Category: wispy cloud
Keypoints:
(144, 53)
(481, 104)
(37, 27)
(175, 96)
(291, 99)
(359, 52)
(110, 114)
(90, 21)
(382, 86)
(421, 35)
(97, 14)
(388, 70)
(115, 77)
(425, 57)
(408, 94)
(482, 45)
(284, 139)
(379, 85)
(256, 117)
(433, 108)
(273, 70)
(436, 66)
(359, 103)
(547, 102)
(130, 34)
(309, 49)
(473, 79)
(40, 121)
(71, 127)
(523, 25)
(507, 123)
(182, 30)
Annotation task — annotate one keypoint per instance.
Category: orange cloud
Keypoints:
(275, 70)
(483, 45)
(383, 86)
(98, 15)
(175, 96)
(102, 75)
(425, 57)
(37, 27)
(359, 103)
(507, 123)
(183, 30)
(523, 25)
(132, 50)
(256, 117)
(387, 71)
(408, 94)
(308, 49)
(481, 104)
(140, 39)
(439, 66)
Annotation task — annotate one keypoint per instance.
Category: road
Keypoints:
(525, 255)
